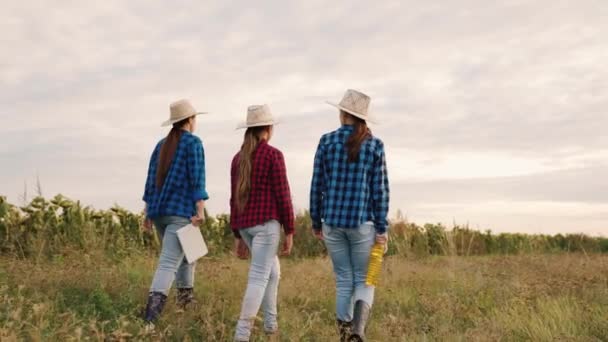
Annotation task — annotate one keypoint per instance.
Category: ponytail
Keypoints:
(167, 152)
(250, 143)
(360, 133)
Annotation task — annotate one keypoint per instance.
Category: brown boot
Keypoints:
(345, 329)
(185, 297)
(360, 317)
(272, 336)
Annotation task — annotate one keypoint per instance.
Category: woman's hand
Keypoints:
(318, 233)
(287, 245)
(200, 214)
(382, 239)
(240, 249)
(147, 225)
(197, 220)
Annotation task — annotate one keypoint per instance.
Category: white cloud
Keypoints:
(465, 90)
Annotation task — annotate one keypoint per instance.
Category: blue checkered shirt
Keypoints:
(184, 184)
(345, 194)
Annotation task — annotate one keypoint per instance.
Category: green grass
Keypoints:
(492, 298)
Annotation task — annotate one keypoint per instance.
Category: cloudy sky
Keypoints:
(493, 114)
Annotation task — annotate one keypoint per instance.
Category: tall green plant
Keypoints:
(47, 228)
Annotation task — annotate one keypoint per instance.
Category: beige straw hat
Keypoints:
(258, 115)
(356, 103)
(180, 110)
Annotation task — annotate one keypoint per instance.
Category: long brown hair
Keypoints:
(167, 151)
(250, 143)
(360, 133)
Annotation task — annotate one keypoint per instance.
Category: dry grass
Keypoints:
(517, 298)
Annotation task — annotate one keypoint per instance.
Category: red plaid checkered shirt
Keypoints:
(270, 197)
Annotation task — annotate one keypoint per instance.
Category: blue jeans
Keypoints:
(264, 274)
(172, 264)
(349, 249)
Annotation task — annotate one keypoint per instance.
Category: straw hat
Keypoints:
(356, 103)
(180, 110)
(258, 115)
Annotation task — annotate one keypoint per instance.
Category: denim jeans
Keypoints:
(264, 274)
(349, 249)
(172, 264)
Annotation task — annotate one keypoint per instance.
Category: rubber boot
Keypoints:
(360, 317)
(345, 329)
(156, 303)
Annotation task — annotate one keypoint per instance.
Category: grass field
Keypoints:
(515, 298)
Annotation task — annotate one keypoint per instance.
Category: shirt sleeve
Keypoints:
(151, 178)
(317, 190)
(233, 180)
(196, 169)
(280, 186)
(380, 192)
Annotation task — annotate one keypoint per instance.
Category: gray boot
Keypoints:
(156, 303)
(345, 329)
(361, 315)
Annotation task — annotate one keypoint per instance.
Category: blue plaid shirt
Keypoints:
(184, 184)
(345, 194)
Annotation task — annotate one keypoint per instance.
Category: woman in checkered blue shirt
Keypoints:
(349, 205)
(175, 195)
(260, 203)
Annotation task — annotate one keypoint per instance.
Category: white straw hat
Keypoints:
(180, 110)
(356, 103)
(258, 115)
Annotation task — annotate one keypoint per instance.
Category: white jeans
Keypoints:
(264, 274)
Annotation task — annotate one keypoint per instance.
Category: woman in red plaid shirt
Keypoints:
(260, 204)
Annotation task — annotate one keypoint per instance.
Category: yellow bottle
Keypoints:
(375, 265)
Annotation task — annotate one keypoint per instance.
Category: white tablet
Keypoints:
(192, 242)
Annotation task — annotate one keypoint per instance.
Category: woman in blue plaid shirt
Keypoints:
(349, 205)
(175, 195)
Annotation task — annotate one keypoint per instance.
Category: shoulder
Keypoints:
(191, 138)
(375, 144)
(272, 151)
(158, 146)
(273, 156)
(236, 158)
(331, 137)
(375, 141)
